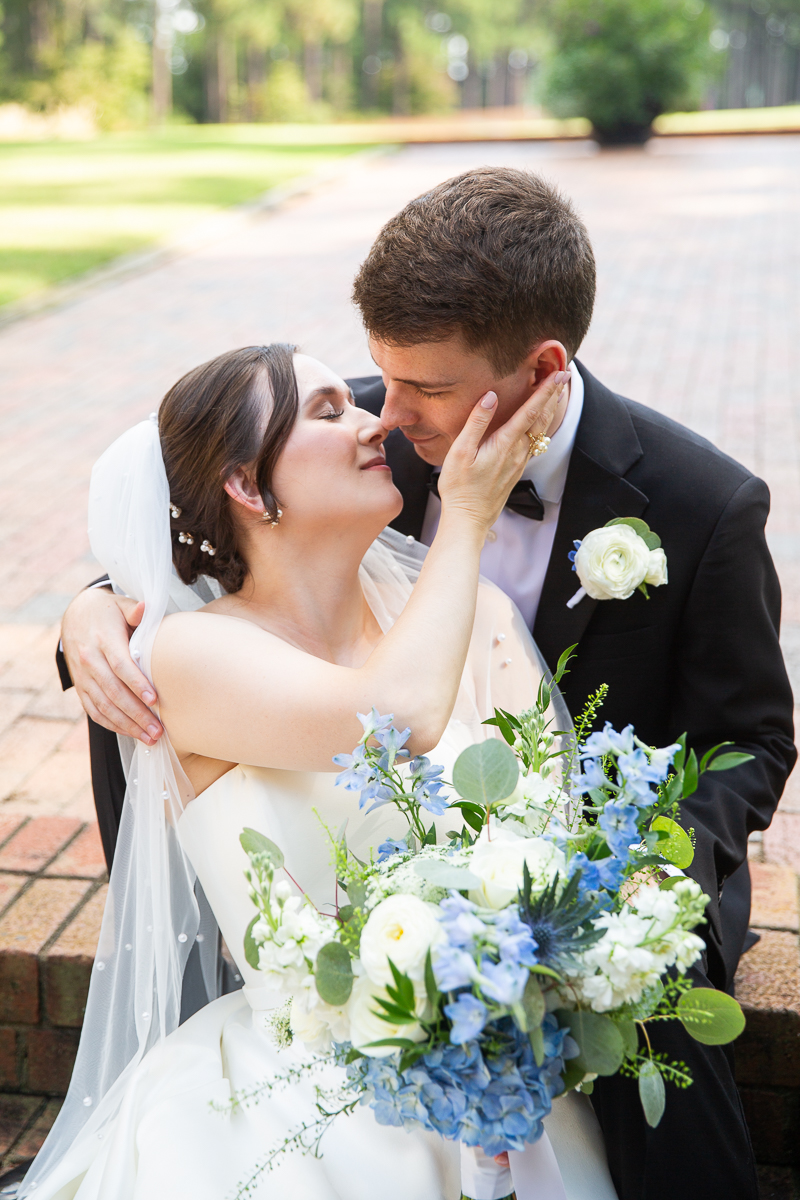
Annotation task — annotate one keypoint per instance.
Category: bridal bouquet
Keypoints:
(465, 984)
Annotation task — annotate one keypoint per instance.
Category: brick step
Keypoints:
(768, 988)
(52, 892)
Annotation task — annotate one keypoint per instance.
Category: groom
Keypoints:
(487, 282)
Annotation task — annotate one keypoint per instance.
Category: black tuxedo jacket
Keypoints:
(701, 656)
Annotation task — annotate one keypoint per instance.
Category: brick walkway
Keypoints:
(697, 315)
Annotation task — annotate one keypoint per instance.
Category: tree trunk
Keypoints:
(223, 80)
(256, 76)
(312, 69)
(373, 20)
(162, 76)
(401, 102)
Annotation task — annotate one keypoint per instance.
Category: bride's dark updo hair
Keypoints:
(212, 423)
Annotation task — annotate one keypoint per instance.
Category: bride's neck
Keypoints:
(307, 591)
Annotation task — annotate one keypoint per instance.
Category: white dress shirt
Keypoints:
(517, 549)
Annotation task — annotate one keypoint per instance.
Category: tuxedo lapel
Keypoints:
(606, 447)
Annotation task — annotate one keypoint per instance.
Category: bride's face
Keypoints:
(333, 468)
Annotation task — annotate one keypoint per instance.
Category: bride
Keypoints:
(262, 476)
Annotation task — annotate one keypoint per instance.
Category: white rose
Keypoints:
(366, 1026)
(612, 562)
(656, 568)
(403, 929)
(498, 864)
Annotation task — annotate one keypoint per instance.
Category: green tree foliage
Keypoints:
(623, 62)
(619, 62)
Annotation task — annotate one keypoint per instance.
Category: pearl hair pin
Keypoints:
(174, 511)
(207, 548)
(186, 538)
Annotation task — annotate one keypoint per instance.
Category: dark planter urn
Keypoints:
(626, 133)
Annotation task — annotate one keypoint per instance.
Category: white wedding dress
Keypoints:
(175, 1137)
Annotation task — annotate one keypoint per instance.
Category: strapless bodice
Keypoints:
(301, 811)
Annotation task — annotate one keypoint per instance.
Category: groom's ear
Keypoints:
(545, 359)
(241, 486)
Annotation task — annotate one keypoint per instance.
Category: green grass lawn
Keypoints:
(66, 207)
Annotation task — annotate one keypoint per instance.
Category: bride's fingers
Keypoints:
(536, 414)
(476, 424)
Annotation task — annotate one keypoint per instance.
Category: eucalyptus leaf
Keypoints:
(602, 1048)
(532, 1005)
(250, 947)
(677, 848)
(445, 874)
(630, 1036)
(253, 842)
(651, 1093)
(333, 974)
(536, 1039)
(711, 1017)
(572, 1074)
(486, 772)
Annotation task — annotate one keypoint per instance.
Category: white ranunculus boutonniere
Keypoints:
(614, 561)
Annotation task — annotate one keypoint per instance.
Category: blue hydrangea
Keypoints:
(490, 1094)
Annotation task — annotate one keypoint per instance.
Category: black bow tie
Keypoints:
(524, 498)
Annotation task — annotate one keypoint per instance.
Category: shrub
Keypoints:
(623, 62)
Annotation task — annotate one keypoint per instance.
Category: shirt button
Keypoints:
(491, 536)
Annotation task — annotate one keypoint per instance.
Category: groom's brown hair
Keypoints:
(496, 255)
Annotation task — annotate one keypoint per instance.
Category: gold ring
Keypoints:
(538, 444)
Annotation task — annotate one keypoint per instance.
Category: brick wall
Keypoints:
(52, 891)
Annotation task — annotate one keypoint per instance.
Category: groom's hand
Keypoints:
(95, 634)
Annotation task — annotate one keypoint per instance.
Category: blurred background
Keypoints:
(180, 177)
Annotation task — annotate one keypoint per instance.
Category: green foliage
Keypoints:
(651, 1092)
(250, 946)
(602, 1048)
(711, 1017)
(622, 62)
(676, 848)
(253, 842)
(333, 974)
(486, 772)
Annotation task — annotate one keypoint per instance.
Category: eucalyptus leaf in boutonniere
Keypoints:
(617, 560)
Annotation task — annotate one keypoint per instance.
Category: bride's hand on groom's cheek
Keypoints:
(481, 467)
(95, 635)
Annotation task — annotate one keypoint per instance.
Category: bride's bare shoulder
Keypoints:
(188, 641)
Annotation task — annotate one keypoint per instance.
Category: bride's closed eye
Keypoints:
(332, 415)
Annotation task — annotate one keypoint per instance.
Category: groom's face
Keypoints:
(431, 388)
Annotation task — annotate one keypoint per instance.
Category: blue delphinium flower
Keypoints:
(390, 847)
(393, 740)
(593, 776)
(468, 1016)
(618, 822)
(374, 723)
(597, 874)
(426, 784)
(504, 982)
(608, 742)
(515, 942)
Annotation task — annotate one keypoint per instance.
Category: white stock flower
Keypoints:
(403, 929)
(366, 1026)
(656, 568)
(316, 1023)
(612, 562)
(499, 866)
